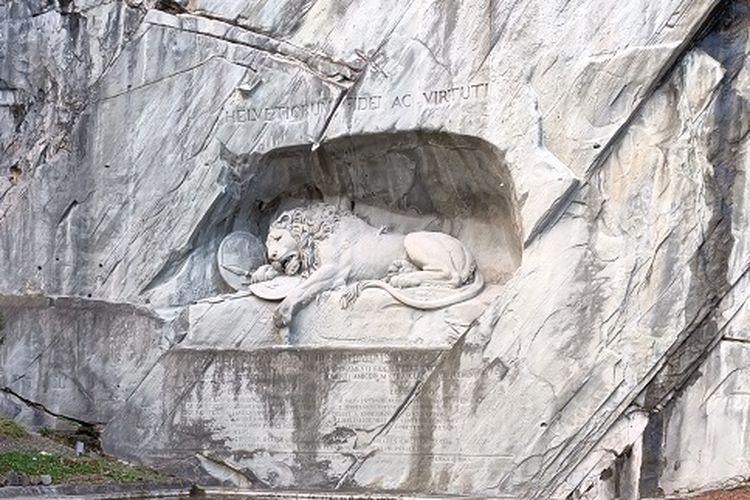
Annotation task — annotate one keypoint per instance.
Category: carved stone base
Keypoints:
(278, 417)
(246, 322)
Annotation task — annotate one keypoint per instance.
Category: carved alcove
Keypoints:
(403, 182)
(406, 182)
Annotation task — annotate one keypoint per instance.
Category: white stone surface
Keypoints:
(612, 468)
(706, 435)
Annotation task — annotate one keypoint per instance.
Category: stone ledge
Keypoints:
(326, 495)
(136, 490)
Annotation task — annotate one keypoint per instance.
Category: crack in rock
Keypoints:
(316, 63)
(40, 407)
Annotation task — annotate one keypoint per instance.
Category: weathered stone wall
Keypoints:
(593, 155)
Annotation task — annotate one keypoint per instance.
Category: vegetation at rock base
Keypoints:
(69, 468)
(85, 434)
(28, 455)
(10, 429)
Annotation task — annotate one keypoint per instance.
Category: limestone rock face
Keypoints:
(590, 157)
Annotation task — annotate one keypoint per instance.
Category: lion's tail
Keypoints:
(464, 294)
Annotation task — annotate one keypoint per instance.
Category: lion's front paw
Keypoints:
(263, 273)
(282, 316)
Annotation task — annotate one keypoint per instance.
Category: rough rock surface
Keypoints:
(593, 155)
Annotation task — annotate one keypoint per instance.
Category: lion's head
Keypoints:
(293, 237)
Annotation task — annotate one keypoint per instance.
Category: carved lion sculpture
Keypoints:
(332, 248)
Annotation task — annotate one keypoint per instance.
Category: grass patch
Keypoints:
(64, 468)
(10, 429)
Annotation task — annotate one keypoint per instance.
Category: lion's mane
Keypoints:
(308, 226)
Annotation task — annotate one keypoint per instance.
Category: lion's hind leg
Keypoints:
(439, 257)
(417, 278)
(399, 266)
